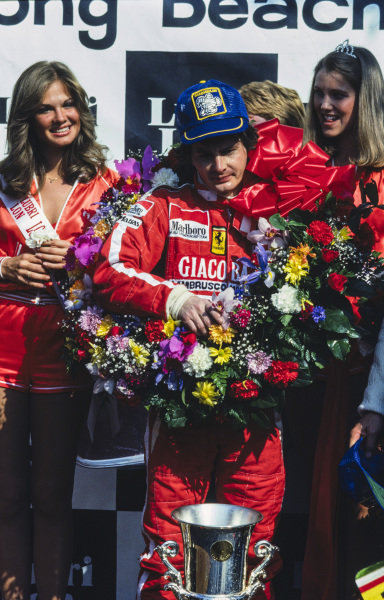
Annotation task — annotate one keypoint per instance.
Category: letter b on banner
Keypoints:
(170, 20)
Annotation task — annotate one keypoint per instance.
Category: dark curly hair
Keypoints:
(180, 157)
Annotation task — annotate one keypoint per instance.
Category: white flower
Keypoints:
(286, 300)
(224, 303)
(37, 238)
(199, 362)
(267, 235)
(165, 177)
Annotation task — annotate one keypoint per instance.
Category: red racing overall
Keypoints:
(191, 241)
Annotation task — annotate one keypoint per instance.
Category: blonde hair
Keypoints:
(271, 100)
(81, 160)
(364, 75)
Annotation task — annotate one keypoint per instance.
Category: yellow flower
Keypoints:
(295, 269)
(104, 326)
(301, 252)
(341, 235)
(219, 336)
(222, 354)
(102, 229)
(140, 354)
(206, 393)
(305, 301)
(170, 326)
(98, 354)
(75, 288)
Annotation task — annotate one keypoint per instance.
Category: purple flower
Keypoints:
(149, 161)
(86, 247)
(258, 362)
(70, 259)
(263, 268)
(104, 209)
(123, 388)
(318, 314)
(171, 354)
(128, 167)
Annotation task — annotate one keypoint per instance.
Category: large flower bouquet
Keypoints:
(289, 316)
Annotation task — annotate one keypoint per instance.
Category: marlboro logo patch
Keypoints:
(188, 224)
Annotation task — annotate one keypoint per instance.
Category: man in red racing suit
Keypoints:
(188, 233)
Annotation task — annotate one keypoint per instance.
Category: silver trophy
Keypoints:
(216, 540)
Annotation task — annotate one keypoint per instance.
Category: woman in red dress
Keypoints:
(53, 174)
(345, 117)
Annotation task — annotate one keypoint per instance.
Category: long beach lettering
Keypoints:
(86, 9)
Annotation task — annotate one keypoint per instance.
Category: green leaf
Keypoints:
(286, 319)
(183, 396)
(220, 381)
(339, 348)
(278, 222)
(297, 224)
(262, 419)
(335, 321)
(237, 416)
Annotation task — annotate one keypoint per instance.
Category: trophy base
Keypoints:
(263, 549)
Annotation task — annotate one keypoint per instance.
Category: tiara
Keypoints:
(345, 48)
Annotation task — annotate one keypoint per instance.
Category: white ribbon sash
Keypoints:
(28, 215)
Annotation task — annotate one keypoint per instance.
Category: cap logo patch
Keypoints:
(208, 102)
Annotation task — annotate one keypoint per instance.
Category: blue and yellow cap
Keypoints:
(209, 108)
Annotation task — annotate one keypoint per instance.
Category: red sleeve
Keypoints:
(123, 276)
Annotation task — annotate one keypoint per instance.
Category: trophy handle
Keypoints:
(171, 549)
(266, 550)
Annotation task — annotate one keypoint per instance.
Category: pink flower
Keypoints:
(90, 319)
(258, 362)
(240, 318)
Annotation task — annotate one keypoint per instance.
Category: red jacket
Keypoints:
(74, 218)
(172, 236)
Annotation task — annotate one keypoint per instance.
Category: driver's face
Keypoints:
(220, 162)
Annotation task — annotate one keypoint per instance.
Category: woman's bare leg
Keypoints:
(56, 421)
(15, 525)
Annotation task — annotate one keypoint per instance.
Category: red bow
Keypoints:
(292, 176)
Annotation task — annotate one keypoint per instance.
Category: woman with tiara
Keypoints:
(345, 117)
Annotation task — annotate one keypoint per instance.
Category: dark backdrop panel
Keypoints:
(165, 74)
